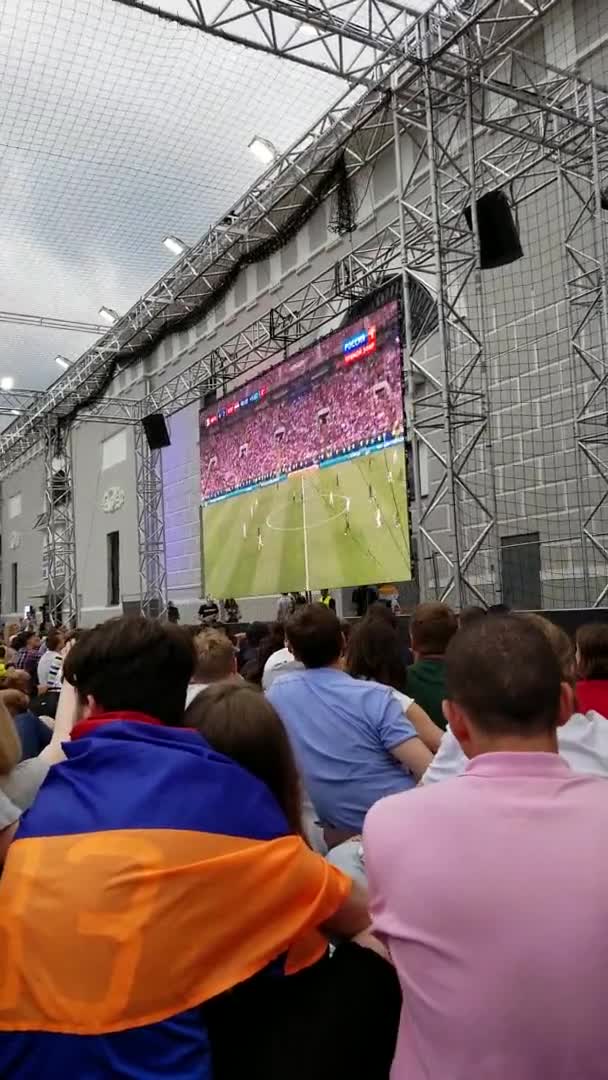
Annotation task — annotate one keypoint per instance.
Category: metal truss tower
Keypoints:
(59, 535)
(150, 527)
(583, 200)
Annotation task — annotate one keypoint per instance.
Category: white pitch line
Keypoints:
(306, 573)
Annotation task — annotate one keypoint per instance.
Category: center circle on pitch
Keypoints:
(309, 524)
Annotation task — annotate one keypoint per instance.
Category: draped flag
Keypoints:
(150, 875)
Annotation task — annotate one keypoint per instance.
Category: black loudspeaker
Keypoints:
(498, 236)
(155, 427)
(604, 198)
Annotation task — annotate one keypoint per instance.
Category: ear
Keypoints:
(567, 704)
(90, 708)
(459, 724)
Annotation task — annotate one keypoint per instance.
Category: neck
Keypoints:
(543, 743)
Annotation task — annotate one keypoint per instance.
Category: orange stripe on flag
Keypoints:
(106, 931)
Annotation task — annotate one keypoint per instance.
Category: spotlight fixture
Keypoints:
(108, 315)
(175, 245)
(63, 363)
(263, 150)
(7, 382)
(15, 412)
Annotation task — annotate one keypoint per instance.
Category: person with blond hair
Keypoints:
(215, 661)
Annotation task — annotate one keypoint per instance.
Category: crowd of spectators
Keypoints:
(346, 408)
(232, 852)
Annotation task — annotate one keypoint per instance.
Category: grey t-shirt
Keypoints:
(22, 784)
(9, 813)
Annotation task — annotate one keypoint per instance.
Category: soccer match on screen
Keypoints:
(303, 470)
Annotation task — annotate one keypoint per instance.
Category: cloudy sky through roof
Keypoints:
(116, 128)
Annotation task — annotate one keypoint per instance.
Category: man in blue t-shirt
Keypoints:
(352, 741)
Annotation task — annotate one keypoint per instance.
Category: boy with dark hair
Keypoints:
(352, 741)
(432, 627)
(517, 843)
(150, 875)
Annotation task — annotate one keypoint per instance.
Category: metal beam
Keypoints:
(50, 323)
(359, 47)
(359, 40)
(295, 320)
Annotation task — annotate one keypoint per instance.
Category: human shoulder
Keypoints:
(289, 681)
(21, 785)
(403, 699)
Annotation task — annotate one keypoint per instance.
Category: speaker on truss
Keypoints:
(157, 434)
(498, 236)
(604, 198)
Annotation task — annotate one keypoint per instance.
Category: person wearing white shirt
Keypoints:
(583, 741)
(51, 660)
(279, 663)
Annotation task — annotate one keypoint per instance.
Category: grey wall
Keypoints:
(92, 523)
(21, 543)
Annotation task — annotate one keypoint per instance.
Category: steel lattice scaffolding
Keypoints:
(59, 538)
(150, 527)
(467, 115)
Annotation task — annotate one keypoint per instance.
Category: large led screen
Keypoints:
(303, 470)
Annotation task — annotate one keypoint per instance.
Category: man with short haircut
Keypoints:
(496, 920)
(215, 661)
(352, 742)
(432, 627)
(150, 875)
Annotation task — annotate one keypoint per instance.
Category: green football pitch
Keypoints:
(343, 525)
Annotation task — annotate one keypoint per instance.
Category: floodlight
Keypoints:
(7, 382)
(263, 150)
(63, 363)
(15, 412)
(175, 245)
(108, 315)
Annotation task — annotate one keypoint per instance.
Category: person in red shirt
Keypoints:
(592, 668)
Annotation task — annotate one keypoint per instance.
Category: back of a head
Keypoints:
(54, 639)
(469, 614)
(592, 650)
(133, 664)
(214, 656)
(559, 641)
(505, 675)
(18, 679)
(499, 609)
(375, 652)
(314, 635)
(240, 723)
(432, 627)
(382, 613)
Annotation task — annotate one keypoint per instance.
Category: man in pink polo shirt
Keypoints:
(491, 889)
